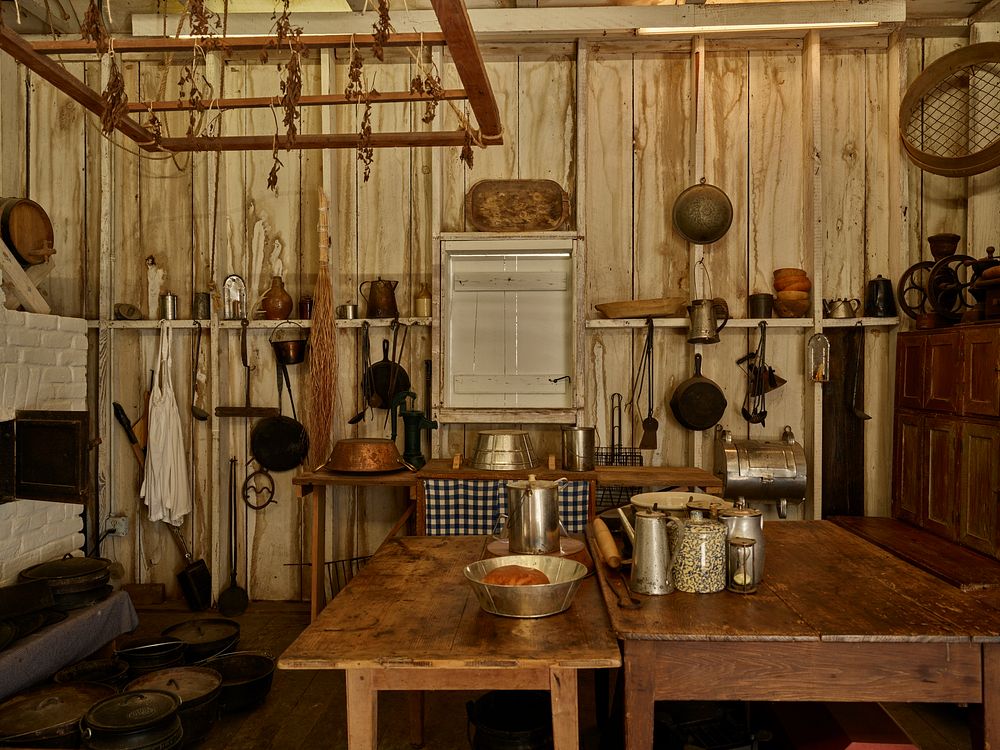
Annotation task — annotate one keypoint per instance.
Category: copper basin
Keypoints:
(358, 455)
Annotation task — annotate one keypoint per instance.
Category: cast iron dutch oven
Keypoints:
(49, 716)
(198, 689)
(113, 672)
(205, 637)
(698, 403)
(136, 720)
(246, 678)
(149, 653)
(70, 575)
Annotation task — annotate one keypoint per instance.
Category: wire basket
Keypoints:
(340, 572)
(611, 496)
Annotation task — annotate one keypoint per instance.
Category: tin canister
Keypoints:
(168, 306)
(578, 448)
(533, 516)
(202, 308)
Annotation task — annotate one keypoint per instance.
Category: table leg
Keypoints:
(565, 708)
(317, 588)
(639, 702)
(991, 696)
(362, 710)
(415, 704)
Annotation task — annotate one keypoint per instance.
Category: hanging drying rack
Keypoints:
(456, 34)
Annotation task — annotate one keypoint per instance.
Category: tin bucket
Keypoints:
(578, 448)
(533, 516)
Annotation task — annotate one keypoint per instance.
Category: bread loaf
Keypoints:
(515, 575)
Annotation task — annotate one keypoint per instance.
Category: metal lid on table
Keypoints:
(133, 711)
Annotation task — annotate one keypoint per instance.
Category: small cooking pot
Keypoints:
(698, 403)
(288, 351)
(198, 688)
(703, 213)
(146, 653)
(205, 637)
(111, 672)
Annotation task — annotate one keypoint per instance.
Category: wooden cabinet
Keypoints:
(946, 442)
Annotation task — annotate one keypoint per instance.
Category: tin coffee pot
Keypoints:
(841, 307)
(879, 299)
(532, 518)
(651, 558)
(705, 315)
(381, 298)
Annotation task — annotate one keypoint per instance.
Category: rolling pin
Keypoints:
(606, 543)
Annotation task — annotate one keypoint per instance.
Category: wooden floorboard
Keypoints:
(961, 567)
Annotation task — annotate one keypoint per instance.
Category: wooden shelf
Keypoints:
(866, 322)
(186, 323)
(380, 322)
(747, 322)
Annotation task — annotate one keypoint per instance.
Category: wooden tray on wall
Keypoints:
(660, 307)
(516, 206)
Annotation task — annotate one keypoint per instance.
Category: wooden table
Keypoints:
(836, 619)
(410, 621)
(315, 483)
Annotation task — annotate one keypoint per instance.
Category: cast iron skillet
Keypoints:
(280, 443)
(698, 403)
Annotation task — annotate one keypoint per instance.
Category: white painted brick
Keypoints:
(35, 522)
(42, 322)
(75, 325)
(62, 392)
(19, 524)
(72, 358)
(56, 340)
(81, 343)
(37, 357)
(14, 320)
(6, 527)
(22, 337)
(57, 405)
(57, 375)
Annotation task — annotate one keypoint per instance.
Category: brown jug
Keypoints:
(276, 302)
(381, 298)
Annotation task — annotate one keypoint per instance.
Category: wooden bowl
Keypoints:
(792, 296)
(798, 308)
(780, 273)
(793, 284)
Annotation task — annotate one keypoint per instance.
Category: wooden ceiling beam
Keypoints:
(381, 97)
(464, 51)
(230, 43)
(313, 141)
(17, 47)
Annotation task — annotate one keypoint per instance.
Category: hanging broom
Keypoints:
(323, 355)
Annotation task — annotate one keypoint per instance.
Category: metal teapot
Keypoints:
(381, 298)
(705, 315)
(651, 558)
(841, 308)
(879, 300)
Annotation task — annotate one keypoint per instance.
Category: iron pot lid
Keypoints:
(204, 630)
(49, 711)
(133, 711)
(190, 684)
(703, 213)
(67, 567)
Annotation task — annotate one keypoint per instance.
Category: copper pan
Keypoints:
(358, 455)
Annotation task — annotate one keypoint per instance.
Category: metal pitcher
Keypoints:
(532, 518)
(705, 315)
(381, 298)
(841, 307)
(651, 559)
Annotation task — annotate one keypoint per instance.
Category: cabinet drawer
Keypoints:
(910, 348)
(979, 486)
(939, 456)
(942, 376)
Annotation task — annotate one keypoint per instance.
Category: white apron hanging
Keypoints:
(166, 487)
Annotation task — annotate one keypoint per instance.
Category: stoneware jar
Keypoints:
(276, 302)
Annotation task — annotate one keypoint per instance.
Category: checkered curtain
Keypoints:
(473, 506)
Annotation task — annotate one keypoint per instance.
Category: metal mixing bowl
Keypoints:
(527, 601)
(503, 450)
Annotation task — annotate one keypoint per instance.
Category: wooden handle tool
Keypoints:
(606, 543)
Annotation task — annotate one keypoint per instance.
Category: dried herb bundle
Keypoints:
(466, 155)
(272, 176)
(381, 30)
(115, 99)
(190, 87)
(92, 28)
(432, 86)
(355, 79)
(291, 84)
(204, 22)
(366, 154)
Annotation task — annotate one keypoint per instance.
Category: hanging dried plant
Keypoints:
(204, 22)
(154, 126)
(272, 176)
(92, 28)
(355, 76)
(417, 84)
(466, 155)
(115, 99)
(193, 87)
(366, 154)
(432, 85)
(381, 30)
(291, 93)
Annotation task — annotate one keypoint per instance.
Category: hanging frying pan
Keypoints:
(703, 213)
(385, 379)
(698, 403)
(280, 443)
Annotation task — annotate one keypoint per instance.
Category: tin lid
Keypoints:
(204, 630)
(536, 484)
(187, 683)
(739, 512)
(48, 711)
(133, 711)
(66, 567)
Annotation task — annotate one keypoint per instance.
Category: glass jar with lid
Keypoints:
(700, 558)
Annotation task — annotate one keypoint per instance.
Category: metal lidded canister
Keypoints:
(578, 448)
(202, 309)
(168, 306)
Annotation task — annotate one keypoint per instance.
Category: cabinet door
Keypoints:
(943, 371)
(981, 386)
(910, 349)
(907, 467)
(940, 492)
(979, 486)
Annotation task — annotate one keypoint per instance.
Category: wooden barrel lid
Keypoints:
(26, 229)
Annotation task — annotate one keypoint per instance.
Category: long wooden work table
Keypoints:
(835, 619)
(410, 621)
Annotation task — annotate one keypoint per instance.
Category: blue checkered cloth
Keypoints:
(457, 507)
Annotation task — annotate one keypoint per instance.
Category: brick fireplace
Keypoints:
(43, 366)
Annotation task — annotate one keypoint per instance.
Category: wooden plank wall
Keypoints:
(200, 227)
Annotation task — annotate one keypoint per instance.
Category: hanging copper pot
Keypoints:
(703, 213)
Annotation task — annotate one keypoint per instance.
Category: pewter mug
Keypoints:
(705, 325)
(749, 524)
(651, 558)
